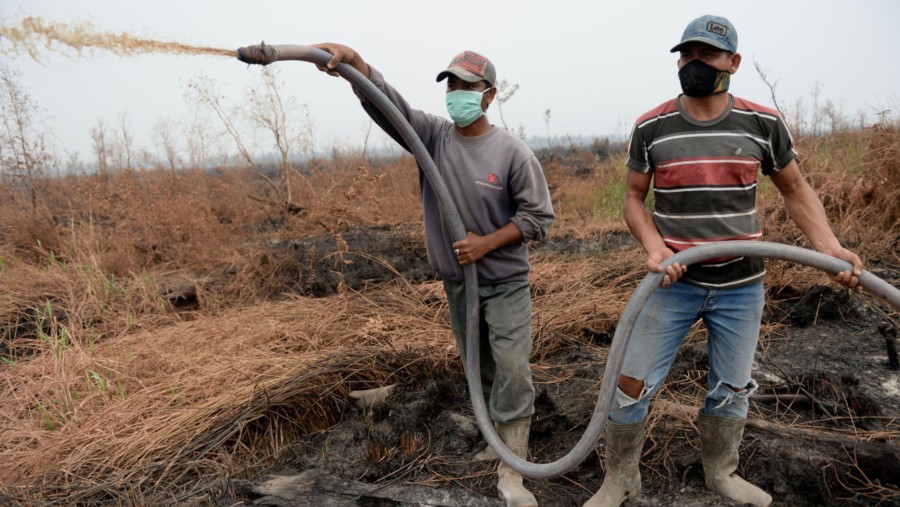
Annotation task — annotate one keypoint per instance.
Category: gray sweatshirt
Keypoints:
(493, 179)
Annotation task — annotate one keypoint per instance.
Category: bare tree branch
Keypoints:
(25, 155)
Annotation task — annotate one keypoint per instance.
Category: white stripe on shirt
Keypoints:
(704, 189)
(711, 134)
(713, 215)
(651, 120)
(751, 161)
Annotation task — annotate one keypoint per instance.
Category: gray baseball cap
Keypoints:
(471, 67)
(713, 30)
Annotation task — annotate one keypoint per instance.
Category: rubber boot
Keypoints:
(515, 435)
(720, 439)
(624, 443)
(486, 454)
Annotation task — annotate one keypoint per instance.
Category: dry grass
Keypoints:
(855, 177)
(209, 396)
(109, 394)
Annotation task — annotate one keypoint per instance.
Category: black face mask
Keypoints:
(699, 79)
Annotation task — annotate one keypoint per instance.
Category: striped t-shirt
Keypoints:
(704, 179)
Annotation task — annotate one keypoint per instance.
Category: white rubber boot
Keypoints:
(509, 484)
(486, 454)
(720, 440)
(624, 443)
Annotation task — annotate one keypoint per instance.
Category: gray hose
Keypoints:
(265, 54)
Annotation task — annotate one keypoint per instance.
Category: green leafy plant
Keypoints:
(46, 419)
(98, 382)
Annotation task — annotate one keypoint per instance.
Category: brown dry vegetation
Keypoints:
(153, 346)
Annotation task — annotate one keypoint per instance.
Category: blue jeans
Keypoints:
(504, 344)
(732, 318)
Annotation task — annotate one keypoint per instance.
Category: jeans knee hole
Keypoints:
(726, 394)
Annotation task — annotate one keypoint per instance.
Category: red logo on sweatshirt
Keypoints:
(492, 178)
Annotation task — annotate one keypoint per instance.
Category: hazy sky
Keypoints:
(596, 65)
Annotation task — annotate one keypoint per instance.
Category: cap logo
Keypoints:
(471, 62)
(716, 28)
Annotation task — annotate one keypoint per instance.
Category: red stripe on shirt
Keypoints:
(664, 108)
(746, 105)
(713, 171)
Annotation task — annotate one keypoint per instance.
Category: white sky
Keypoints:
(596, 65)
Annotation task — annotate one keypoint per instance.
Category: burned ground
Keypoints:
(359, 257)
(202, 349)
(819, 431)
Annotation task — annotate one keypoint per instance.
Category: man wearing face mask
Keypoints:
(499, 189)
(702, 150)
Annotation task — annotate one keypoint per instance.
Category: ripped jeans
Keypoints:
(732, 318)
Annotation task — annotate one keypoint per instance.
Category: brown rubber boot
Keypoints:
(624, 443)
(515, 435)
(720, 440)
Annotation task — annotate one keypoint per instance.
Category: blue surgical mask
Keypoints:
(464, 106)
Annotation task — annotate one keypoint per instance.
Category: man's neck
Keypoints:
(705, 108)
(476, 128)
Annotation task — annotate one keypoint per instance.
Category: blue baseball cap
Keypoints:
(713, 30)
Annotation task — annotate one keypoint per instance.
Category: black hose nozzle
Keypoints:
(258, 55)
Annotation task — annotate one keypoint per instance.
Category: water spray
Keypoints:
(33, 34)
(264, 54)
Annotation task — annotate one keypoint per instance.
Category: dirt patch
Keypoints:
(353, 258)
(359, 257)
(824, 380)
(610, 242)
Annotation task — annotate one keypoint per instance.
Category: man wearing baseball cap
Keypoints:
(499, 189)
(702, 151)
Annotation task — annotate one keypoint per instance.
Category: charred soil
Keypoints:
(820, 430)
